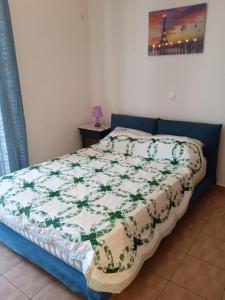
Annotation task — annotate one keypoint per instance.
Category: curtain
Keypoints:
(13, 141)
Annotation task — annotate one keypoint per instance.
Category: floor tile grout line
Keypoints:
(223, 293)
(193, 227)
(178, 267)
(167, 279)
(41, 288)
(154, 273)
(29, 297)
(213, 219)
(206, 262)
(194, 241)
(209, 236)
(16, 287)
(185, 255)
(186, 289)
(186, 252)
(161, 292)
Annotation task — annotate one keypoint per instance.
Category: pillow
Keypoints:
(166, 148)
(170, 149)
(175, 150)
(121, 140)
(180, 138)
(182, 151)
(135, 133)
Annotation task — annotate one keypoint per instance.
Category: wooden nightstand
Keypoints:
(91, 135)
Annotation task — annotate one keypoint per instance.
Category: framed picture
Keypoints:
(177, 31)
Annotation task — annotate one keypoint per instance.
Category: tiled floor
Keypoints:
(189, 264)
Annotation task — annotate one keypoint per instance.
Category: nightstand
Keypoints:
(91, 135)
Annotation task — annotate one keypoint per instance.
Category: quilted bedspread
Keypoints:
(107, 210)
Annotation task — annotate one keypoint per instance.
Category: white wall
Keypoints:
(51, 38)
(125, 79)
(58, 47)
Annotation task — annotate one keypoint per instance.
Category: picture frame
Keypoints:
(178, 30)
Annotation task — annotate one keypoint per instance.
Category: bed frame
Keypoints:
(209, 134)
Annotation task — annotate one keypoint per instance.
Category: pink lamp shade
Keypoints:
(97, 113)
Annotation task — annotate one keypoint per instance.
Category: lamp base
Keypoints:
(97, 124)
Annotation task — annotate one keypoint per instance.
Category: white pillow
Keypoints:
(121, 140)
(180, 138)
(182, 151)
(135, 133)
(176, 150)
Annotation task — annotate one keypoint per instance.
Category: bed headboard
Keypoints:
(142, 123)
(209, 134)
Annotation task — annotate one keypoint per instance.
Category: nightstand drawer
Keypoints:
(91, 135)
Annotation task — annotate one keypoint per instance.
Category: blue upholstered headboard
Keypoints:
(209, 134)
(141, 123)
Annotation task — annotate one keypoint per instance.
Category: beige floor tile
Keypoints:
(27, 277)
(174, 292)
(8, 259)
(194, 222)
(215, 229)
(165, 261)
(218, 214)
(181, 238)
(203, 211)
(201, 233)
(56, 291)
(200, 278)
(218, 211)
(196, 219)
(214, 207)
(209, 250)
(215, 199)
(146, 286)
(10, 292)
(223, 298)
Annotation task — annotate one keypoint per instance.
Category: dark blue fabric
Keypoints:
(209, 134)
(201, 188)
(13, 142)
(60, 270)
(141, 123)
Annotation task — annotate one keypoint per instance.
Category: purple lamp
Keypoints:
(97, 113)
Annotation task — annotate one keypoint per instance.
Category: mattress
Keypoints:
(102, 212)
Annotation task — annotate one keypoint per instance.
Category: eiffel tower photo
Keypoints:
(163, 40)
(177, 31)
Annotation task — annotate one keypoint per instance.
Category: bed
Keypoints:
(38, 205)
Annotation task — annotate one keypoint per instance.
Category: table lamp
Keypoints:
(97, 113)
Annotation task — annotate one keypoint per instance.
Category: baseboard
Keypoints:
(220, 184)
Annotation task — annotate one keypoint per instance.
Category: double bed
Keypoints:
(93, 217)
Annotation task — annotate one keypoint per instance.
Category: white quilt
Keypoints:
(103, 211)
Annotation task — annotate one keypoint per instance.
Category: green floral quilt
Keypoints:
(101, 211)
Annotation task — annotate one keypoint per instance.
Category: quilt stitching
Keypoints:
(87, 195)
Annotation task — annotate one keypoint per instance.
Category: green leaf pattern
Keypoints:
(100, 196)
